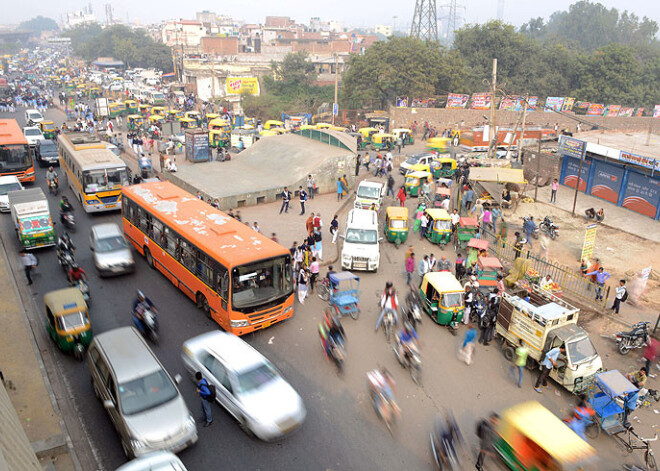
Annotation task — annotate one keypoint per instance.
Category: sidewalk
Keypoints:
(25, 376)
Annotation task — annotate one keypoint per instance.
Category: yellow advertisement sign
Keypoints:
(589, 242)
(242, 85)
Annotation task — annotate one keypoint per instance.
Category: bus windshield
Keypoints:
(104, 179)
(14, 157)
(261, 282)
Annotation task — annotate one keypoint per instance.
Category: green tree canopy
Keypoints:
(39, 24)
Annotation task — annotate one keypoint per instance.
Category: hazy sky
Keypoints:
(359, 13)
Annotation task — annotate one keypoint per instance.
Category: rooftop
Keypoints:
(633, 142)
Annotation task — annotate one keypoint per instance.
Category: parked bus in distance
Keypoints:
(15, 154)
(93, 172)
(238, 277)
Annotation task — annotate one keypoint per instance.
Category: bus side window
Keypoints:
(142, 220)
(187, 256)
(221, 285)
(168, 242)
(204, 270)
(157, 231)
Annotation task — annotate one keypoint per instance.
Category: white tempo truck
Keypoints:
(361, 249)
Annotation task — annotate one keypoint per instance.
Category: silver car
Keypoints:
(158, 461)
(141, 399)
(8, 183)
(112, 255)
(246, 383)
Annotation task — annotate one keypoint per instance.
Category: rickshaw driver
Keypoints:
(389, 302)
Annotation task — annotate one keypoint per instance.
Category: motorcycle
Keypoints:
(549, 227)
(446, 440)
(413, 310)
(385, 407)
(53, 186)
(69, 220)
(535, 232)
(477, 310)
(636, 338)
(388, 324)
(149, 322)
(65, 259)
(409, 359)
(84, 289)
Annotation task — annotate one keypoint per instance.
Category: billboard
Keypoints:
(656, 111)
(626, 112)
(606, 182)
(568, 104)
(531, 103)
(642, 194)
(509, 102)
(612, 110)
(571, 171)
(480, 101)
(553, 103)
(402, 102)
(457, 100)
(571, 147)
(595, 109)
(242, 85)
(640, 112)
(642, 161)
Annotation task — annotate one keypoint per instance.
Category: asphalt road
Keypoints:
(341, 431)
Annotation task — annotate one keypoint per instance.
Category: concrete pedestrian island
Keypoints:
(258, 174)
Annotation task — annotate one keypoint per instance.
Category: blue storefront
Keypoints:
(631, 181)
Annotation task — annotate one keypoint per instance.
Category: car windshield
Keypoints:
(413, 159)
(110, 244)
(105, 179)
(362, 236)
(15, 157)
(34, 115)
(452, 300)
(261, 282)
(581, 350)
(256, 378)
(412, 181)
(7, 187)
(32, 132)
(146, 393)
(72, 321)
(368, 192)
(48, 147)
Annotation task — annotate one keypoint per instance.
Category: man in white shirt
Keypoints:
(618, 298)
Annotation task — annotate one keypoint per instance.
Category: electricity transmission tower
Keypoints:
(425, 20)
(452, 20)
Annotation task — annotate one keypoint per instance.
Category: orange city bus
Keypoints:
(15, 153)
(238, 277)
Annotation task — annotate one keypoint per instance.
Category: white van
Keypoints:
(369, 193)
(361, 249)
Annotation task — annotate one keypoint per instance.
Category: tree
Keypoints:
(39, 24)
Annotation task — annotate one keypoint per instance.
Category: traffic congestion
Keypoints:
(180, 330)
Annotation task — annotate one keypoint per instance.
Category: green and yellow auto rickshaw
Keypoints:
(415, 180)
(116, 109)
(439, 226)
(442, 297)
(405, 135)
(156, 119)
(134, 121)
(67, 320)
(440, 145)
(211, 116)
(173, 115)
(466, 230)
(144, 109)
(273, 125)
(531, 438)
(382, 141)
(70, 85)
(131, 107)
(219, 133)
(396, 224)
(366, 134)
(196, 116)
(94, 92)
(158, 110)
(188, 123)
(48, 129)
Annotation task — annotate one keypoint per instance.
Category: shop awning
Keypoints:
(497, 175)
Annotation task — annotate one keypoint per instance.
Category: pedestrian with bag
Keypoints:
(207, 396)
(467, 349)
(621, 296)
(29, 263)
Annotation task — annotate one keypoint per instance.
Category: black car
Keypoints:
(46, 153)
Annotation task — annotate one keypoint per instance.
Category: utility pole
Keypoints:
(648, 136)
(493, 124)
(336, 104)
(538, 168)
(522, 132)
(577, 182)
(515, 130)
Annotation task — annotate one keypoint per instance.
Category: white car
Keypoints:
(247, 385)
(33, 117)
(33, 135)
(7, 184)
(160, 461)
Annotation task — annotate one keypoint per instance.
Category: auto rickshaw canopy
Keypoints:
(443, 282)
(490, 262)
(367, 132)
(533, 422)
(479, 244)
(438, 214)
(218, 124)
(323, 125)
(419, 174)
(156, 118)
(211, 116)
(130, 103)
(396, 212)
(47, 126)
(65, 301)
(467, 222)
(159, 110)
(273, 123)
(441, 144)
(442, 191)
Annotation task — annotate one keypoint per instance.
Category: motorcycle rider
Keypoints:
(382, 382)
(51, 177)
(76, 274)
(64, 244)
(408, 341)
(389, 302)
(335, 329)
(140, 304)
(64, 207)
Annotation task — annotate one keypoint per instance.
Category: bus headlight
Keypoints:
(288, 310)
(239, 323)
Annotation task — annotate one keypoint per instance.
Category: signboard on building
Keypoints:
(642, 194)
(570, 171)
(642, 161)
(606, 181)
(480, 101)
(242, 86)
(595, 109)
(457, 100)
(553, 103)
(568, 104)
(656, 111)
(612, 110)
(571, 147)
(509, 102)
(626, 112)
(589, 242)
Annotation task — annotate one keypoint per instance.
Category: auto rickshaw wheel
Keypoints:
(397, 242)
(509, 353)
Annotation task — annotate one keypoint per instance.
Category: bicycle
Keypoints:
(323, 289)
(645, 445)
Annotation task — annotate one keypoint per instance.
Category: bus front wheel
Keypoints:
(149, 257)
(203, 304)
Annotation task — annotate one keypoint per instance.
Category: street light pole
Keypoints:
(336, 88)
(493, 124)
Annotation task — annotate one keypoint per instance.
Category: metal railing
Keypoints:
(572, 282)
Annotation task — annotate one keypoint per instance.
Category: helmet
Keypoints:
(65, 199)
(140, 295)
(74, 266)
(50, 169)
(473, 278)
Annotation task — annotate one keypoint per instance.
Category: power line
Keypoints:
(425, 20)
